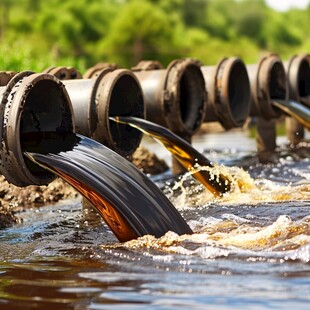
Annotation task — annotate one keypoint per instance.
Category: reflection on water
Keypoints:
(250, 249)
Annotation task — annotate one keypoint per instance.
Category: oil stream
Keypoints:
(130, 203)
(296, 110)
(191, 159)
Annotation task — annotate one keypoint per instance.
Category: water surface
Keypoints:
(250, 249)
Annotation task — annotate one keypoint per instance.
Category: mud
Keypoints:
(13, 199)
(148, 162)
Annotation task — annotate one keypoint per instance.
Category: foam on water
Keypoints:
(282, 233)
(188, 193)
(283, 239)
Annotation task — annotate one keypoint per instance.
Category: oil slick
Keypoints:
(129, 202)
(190, 158)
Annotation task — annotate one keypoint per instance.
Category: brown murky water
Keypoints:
(250, 248)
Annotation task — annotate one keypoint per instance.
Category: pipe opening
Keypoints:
(304, 78)
(239, 93)
(191, 97)
(277, 82)
(126, 100)
(46, 123)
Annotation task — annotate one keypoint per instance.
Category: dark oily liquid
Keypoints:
(295, 109)
(45, 142)
(183, 152)
(130, 203)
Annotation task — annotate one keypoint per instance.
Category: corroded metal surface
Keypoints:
(30, 103)
(228, 90)
(298, 73)
(64, 73)
(111, 93)
(95, 70)
(268, 81)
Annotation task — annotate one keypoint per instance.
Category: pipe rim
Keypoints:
(298, 73)
(95, 71)
(14, 112)
(121, 138)
(179, 120)
(64, 73)
(3, 121)
(232, 92)
(270, 71)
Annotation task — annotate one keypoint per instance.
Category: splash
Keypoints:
(130, 203)
(188, 157)
(231, 236)
(187, 193)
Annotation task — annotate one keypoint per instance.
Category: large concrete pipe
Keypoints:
(268, 82)
(228, 89)
(298, 73)
(35, 114)
(174, 97)
(110, 93)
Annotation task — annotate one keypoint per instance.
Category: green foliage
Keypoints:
(144, 35)
(36, 34)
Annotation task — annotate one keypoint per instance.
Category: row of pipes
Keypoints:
(180, 97)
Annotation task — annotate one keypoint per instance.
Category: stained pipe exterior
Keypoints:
(175, 97)
(228, 89)
(298, 73)
(268, 81)
(30, 103)
(111, 93)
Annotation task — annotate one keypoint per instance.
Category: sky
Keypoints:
(284, 5)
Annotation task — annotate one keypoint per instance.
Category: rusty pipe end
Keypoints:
(95, 70)
(298, 74)
(118, 93)
(64, 73)
(184, 96)
(229, 92)
(268, 82)
(31, 104)
(146, 65)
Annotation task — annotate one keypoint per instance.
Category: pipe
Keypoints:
(64, 73)
(268, 82)
(298, 73)
(97, 68)
(111, 93)
(228, 89)
(31, 104)
(174, 97)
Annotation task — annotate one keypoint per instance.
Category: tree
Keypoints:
(140, 31)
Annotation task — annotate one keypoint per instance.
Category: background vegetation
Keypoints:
(38, 34)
